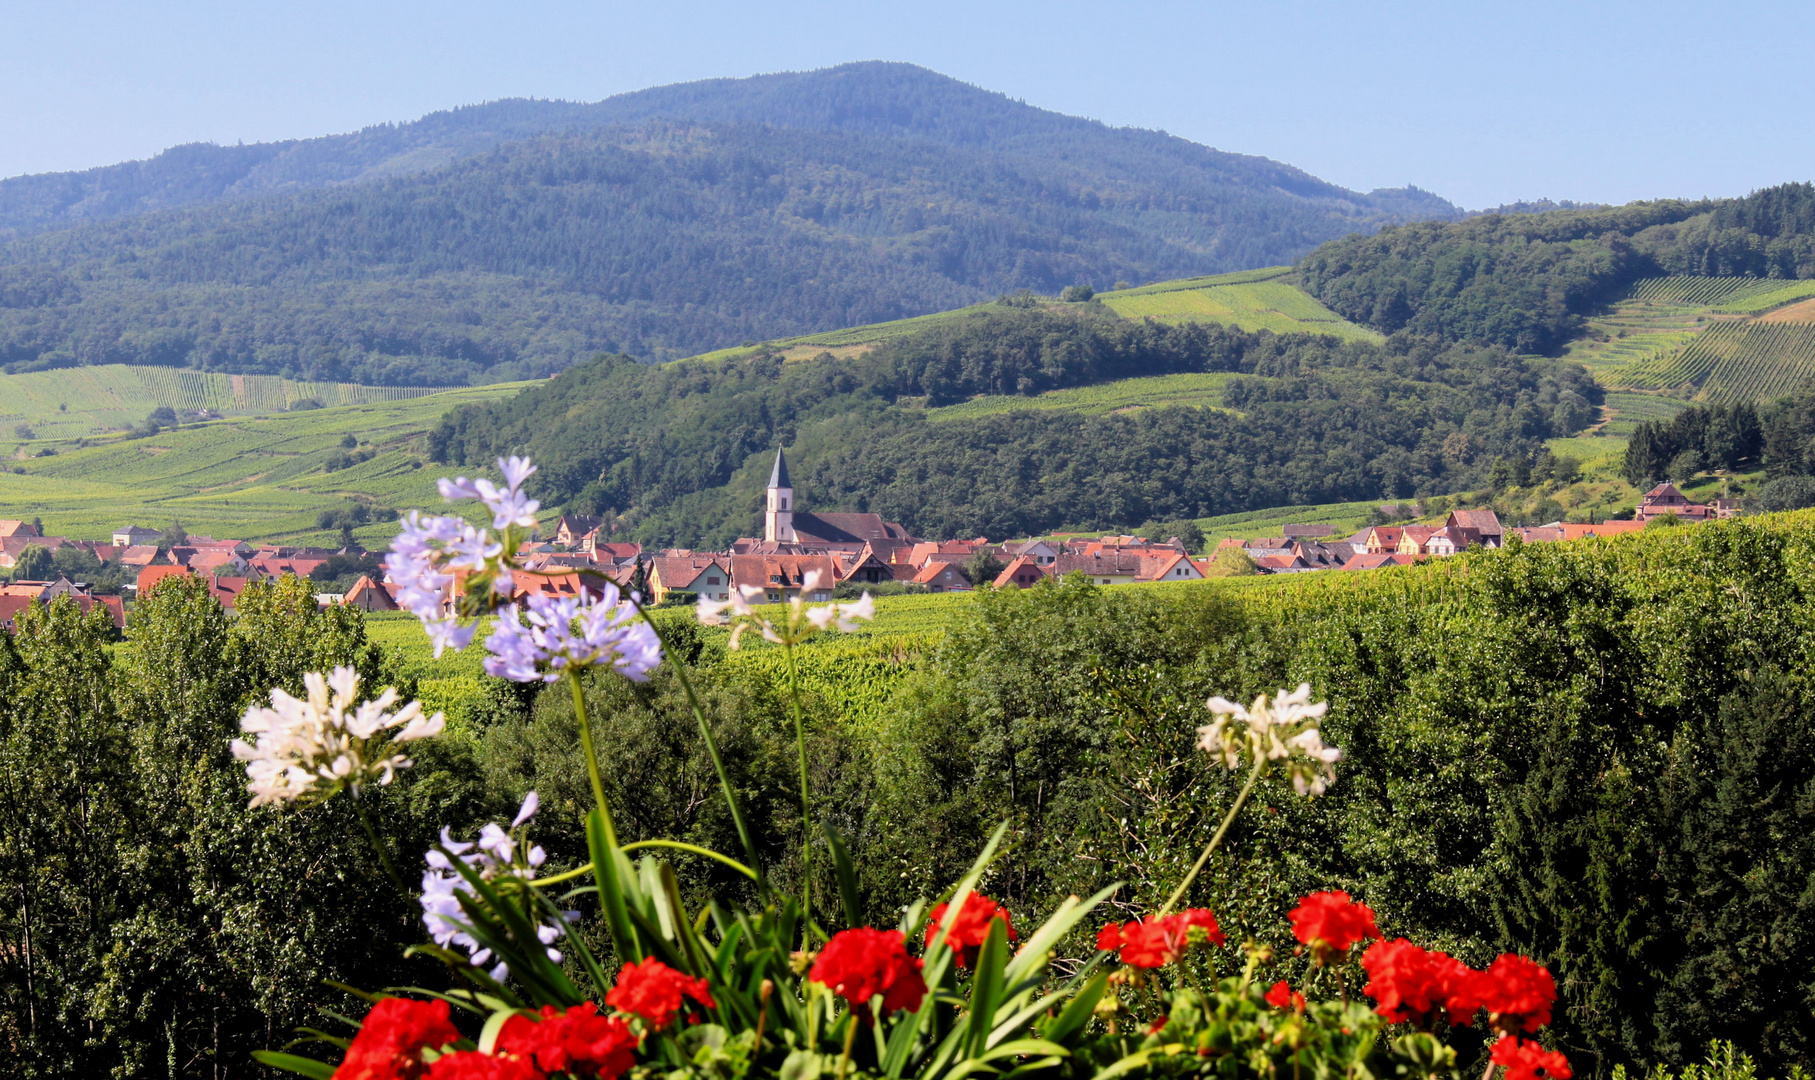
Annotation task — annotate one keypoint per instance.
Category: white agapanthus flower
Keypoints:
(309, 748)
(498, 853)
(1282, 730)
(796, 623)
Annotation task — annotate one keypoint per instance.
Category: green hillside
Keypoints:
(1251, 299)
(78, 402)
(1197, 389)
(250, 478)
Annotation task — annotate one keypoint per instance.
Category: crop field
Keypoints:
(1736, 361)
(1197, 389)
(845, 342)
(1251, 300)
(71, 403)
(1344, 518)
(1780, 293)
(251, 478)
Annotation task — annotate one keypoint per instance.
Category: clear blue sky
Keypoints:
(1480, 102)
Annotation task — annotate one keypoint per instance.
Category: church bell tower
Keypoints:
(778, 516)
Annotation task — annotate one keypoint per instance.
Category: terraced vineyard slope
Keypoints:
(245, 478)
(1251, 299)
(71, 403)
(1199, 389)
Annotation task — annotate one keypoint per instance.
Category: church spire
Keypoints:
(778, 510)
(778, 476)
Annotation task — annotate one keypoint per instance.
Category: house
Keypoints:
(134, 534)
(613, 552)
(1100, 568)
(866, 567)
(10, 528)
(1320, 556)
(1451, 540)
(1412, 539)
(572, 530)
(1356, 544)
(1287, 563)
(271, 566)
(942, 577)
(785, 523)
(1176, 567)
(225, 589)
(368, 595)
(1023, 572)
(214, 561)
(1041, 552)
(1384, 539)
(708, 576)
(139, 555)
(1666, 499)
(1539, 534)
(1605, 528)
(780, 577)
(1484, 522)
(13, 605)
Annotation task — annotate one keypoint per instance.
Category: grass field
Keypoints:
(1197, 389)
(842, 342)
(1252, 300)
(250, 479)
(70, 403)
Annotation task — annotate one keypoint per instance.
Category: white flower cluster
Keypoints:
(430, 553)
(493, 856)
(1281, 730)
(799, 621)
(310, 748)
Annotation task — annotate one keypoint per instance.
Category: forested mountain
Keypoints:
(1525, 281)
(469, 246)
(677, 453)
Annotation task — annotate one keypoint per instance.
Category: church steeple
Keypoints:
(778, 513)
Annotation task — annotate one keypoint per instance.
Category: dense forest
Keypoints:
(1778, 435)
(674, 454)
(1525, 281)
(660, 225)
(1597, 754)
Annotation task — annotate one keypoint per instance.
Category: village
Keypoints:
(830, 550)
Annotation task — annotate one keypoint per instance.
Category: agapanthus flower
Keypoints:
(1282, 731)
(1518, 993)
(1282, 996)
(655, 992)
(1525, 1060)
(1330, 922)
(578, 1041)
(472, 1065)
(971, 928)
(431, 555)
(497, 854)
(860, 963)
(309, 748)
(796, 623)
(392, 1037)
(552, 635)
(1159, 940)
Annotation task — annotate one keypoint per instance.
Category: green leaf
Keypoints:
(605, 870)
(1076, 1014)
(986, 989)
(295, 1063)
(847, 877)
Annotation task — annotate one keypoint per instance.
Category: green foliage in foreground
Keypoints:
(1597, 753)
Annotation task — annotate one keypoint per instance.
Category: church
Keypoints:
(788, 530)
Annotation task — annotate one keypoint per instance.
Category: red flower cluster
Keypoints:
(1528, 1060)
(655, 992)
(472, 1065)
(1410, 985)
(578, 1041)
(1282, 996)
(858, 964)
(391, 1040)
(971, 928)
(1330, 922)
(1156, 942)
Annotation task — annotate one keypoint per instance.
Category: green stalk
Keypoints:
(1260, 765)
(806, 804)
(699, 716)
(592, 757)
(384, 858)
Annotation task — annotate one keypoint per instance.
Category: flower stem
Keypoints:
(806, 804)
(1260, 765)
(850, 1037)
(592, 757)
(1489, 1074)
(384, 857)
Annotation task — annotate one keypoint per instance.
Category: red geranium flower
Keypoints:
(655, 992)
(578, 1041)
(971, 928)
(1156, 942)
(1528, 1060)
(860, 963)
(1330, 922)
(1518, 993)
(390, 1042)
(1410, 985)
(1282, 996)
(1459, 987)
(472, 1065)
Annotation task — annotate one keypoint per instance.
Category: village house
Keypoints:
(1023, 572)
(1041, 552)
(1412, 539)
(780, 577)
(706, 576)
(10, 528)
(1667, 499)
(135, 534)
(1374, 560)
(1384, 539)
(573, 530)
(368, 595)
(942, 577)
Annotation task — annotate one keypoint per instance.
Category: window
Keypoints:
(774, 595)
(712, 580)
(784, 502)
(1105, 581)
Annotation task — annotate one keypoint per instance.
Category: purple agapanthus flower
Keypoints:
(550, 635)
